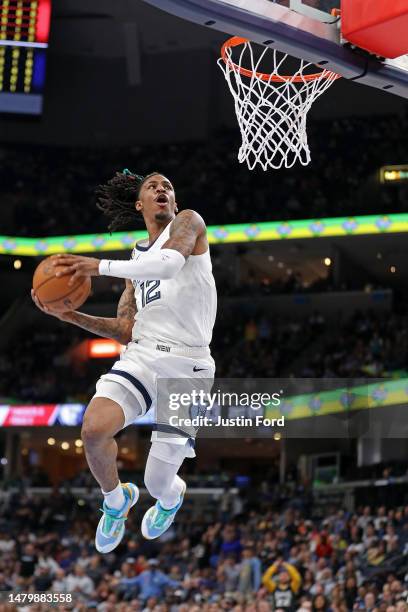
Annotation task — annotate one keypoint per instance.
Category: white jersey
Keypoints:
(179, 311)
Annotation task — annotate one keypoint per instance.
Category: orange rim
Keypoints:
(235, 41)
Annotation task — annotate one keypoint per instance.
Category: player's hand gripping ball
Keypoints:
(58, 287)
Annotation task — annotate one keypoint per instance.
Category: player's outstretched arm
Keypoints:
(118, 328)
(187, 236)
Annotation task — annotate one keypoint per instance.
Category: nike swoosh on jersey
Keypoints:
(195, 369)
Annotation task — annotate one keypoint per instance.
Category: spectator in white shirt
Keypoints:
(79, 583)
(390, 537)
(59, 584)
(381, 519)
(46, 561)
(7, 544)
(369, 536)
(365, 518)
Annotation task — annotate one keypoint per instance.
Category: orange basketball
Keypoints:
(54, 292)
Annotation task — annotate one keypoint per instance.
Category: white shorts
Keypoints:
(132, 380)
(172, 453)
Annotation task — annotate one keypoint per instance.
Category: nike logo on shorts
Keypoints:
(195, 369)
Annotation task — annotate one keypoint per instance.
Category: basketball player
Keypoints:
(165, 317)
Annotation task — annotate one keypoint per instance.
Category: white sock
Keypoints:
(115, 499)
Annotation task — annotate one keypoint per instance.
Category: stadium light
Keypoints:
(100, 349)
(394, 174)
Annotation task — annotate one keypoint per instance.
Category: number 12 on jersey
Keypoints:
(150, 291)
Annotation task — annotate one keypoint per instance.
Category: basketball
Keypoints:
(55, 292)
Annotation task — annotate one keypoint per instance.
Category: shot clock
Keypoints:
(24, 33)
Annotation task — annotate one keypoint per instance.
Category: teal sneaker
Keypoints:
(111, 527)
(157, 520)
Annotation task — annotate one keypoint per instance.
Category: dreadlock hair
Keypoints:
(116, 199)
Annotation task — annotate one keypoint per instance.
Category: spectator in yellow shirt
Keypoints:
(283, 581)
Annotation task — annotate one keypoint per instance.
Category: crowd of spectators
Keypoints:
(287, 283)
(251, 558)
(255, 344)
(367, 344)
(49, 191)
(263, 345)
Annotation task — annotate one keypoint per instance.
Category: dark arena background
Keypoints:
(310, 265)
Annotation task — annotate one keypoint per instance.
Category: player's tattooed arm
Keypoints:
(187, 228)
(127, 311)
(127, 304)
(118, 328)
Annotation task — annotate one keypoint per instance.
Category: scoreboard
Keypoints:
(24, 33)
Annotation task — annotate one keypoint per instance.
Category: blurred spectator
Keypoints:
(79, 583)
(150, 583)
(249, 571)
(28, 562)
(59, 584)
(283, 581)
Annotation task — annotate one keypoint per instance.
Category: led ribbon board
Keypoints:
(24, 33)
(40, 415)
(217, 234)
(361, 397)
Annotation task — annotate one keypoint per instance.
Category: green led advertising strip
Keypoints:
(217, 234)
(367, 396)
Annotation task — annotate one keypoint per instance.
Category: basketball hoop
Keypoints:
(271, 108)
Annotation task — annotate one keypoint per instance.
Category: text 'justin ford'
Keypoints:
(203, 421)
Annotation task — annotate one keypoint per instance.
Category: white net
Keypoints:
(271, 108)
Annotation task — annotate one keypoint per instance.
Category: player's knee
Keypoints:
(94, 429)
(92, 432)
(103, 419)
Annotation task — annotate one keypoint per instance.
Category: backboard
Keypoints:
(305, 29)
